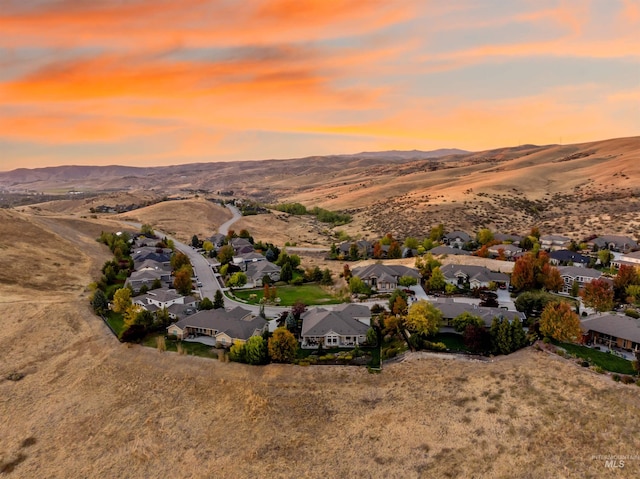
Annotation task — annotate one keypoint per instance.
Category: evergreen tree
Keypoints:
(218, 300)
(286, 273)
(99, 302)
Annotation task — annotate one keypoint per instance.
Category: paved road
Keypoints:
(224, 227)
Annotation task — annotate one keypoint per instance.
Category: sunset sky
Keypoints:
(158, 82)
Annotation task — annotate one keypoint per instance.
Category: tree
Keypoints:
(437, 281)
(205, 304)
(357, 286)
(179, 260)
(256, 350)
(411, 243)
(575, 288)
(282, 346)
(271, 255)
(476, 338)
(238, 352)
(121, 300)
(286, 273)
(207, 246)
(346, 273)
(633, 293)
(394, 250)
(399, 306)
(147, 230)
(377, 250)
(598, 295)
(354, 254)
(394, 296)
(426, 264)
(552, 279)
(237, 280)
(605, 256)
(182, 281)
(560, 322)
(225, 254)
(436, 233)
(407, 281)
(506, 335)
(298, 309)
(162, 318)
(423, 319)
(387, 239)
(218, 300)
(523, 275)
(626, 276)
(130, 315)
(326, 280)
(99, 302)
(465, 319)
(195, 241)
(484, 236)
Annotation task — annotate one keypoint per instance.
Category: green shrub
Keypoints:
(435, 346)
(546, 340)
(615, 377)
(632, 313)
(561, 352)
(638, 383)
(303, 363)
(584, 364)
(627, 379)
(598, 369)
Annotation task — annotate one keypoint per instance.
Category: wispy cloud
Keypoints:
(215, 80)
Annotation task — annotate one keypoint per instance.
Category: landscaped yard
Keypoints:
(116, 321)
(309, 294)
(453, 341)
(606, 361)
(194, 349)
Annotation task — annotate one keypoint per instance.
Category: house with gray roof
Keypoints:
(258, 270)
(553, 242)
(244, 259)
(226, 327)
(167, 298)
(384, 277)
(147, 277)
(451, 309)
(471, 277)
(613, 330)
(345, 325)
(582, 275)
(620, 244)
(628, 259)
(508, 251)
(456, 239)
(365, 248)
(507, 238)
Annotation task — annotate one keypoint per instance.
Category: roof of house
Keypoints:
(506, 247)
(155, 265)
(458, 234)
(634, 255)
(442, 250)
(162, 295)
(554, 238)
(450, 309)
(377, 270)
(577, 271)
(240, 242)
(237, 323)
(507, 237)
(617, 325)
(564, 255)
(146, 275)
(341, 320)
(478, 273)
(260, 268)
(617, 240)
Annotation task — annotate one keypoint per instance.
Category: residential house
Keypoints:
(451, 309)
(509, 251)
(580, 274)
(507, 238)
(613, 330)
(456, 239)
(554, 242)
(472, 277)
(447, 250)
(244, 259)
(382, 277)
(217, 239)
(144, 253)
(225, 326)
(564, 257)
(365, 248)
(138, 279)
(257, 271)
(629, 259)
(241, 245)
(620, 244)
(176, 304)
(345, 325)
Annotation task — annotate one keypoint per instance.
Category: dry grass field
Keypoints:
(91, 407)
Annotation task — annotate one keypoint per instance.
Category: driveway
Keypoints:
(224, 227)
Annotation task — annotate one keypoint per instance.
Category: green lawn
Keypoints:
(309, 294)
(193, 349)
(116, 321)
(453, 341)
(606, 361)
